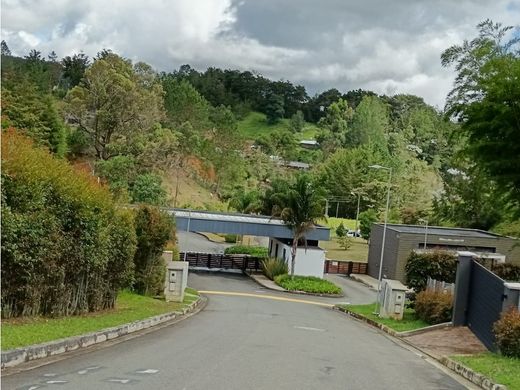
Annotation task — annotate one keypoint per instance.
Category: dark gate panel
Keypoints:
(485, 303)
(218, 261)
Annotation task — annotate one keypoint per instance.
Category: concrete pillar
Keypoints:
(462, 286)
(511, 296)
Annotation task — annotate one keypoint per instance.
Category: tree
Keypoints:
(366, 219)
(153, 229)
(147, 189)
(486, 99)
(370, 123)
(274, 109)
(341, 231)
(113, 104)
(74, 68)
(297, 122)
(300, 208)
(5, 49)
(35, 113)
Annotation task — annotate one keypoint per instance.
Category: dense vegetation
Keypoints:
(66, 248)
(146, 126)
(123, 125)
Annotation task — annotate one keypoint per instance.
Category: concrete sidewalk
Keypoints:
(264, 281)
(366, 280)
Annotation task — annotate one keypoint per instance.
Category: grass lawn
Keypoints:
(130, 307)
(501, 369)
(333, 223)
(409, 321)
(309, 132)
(357, 252)
(308, 284)
(255, 124)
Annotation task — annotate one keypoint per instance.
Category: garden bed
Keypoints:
(307, 284)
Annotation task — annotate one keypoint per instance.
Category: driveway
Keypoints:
(246, 341)
(193, 242)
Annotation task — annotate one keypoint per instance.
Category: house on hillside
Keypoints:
(309, 144)
(401, 240)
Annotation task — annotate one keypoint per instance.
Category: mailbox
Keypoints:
(392, 299)
(176, 280)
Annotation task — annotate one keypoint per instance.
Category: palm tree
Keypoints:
(300, 207)
(246, 202)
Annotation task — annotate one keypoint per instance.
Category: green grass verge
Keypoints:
(409, 321)
(501, 369)
(308, 284)
(357, 252)
(130, 307)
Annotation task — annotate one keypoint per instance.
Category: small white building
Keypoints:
(310, 260)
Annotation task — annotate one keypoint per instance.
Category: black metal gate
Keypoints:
(244, 263)
(485, 303)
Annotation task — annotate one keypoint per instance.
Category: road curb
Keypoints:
(14, 357)
(474, 377)
(281, 289)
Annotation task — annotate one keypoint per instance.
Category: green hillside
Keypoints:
(255, 124)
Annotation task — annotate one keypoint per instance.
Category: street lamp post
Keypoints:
(357, 210)
(187, 233)
(384, 233)
(425, 221)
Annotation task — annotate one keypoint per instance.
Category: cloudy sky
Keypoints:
(385, 46)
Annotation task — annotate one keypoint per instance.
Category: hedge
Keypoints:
(66, 249)
(438, 265)
(256, 251)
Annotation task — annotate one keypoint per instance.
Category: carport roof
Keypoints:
(235, 223)
(441, 231)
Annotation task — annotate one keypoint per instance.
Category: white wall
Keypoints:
(309, 262)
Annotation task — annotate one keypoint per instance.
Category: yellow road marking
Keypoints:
(275, 298)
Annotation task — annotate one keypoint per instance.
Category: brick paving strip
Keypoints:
(438, 342)
(29, 353)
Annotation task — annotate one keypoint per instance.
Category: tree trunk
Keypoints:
(294, 248)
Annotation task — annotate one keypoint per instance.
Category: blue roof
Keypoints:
(235, 223)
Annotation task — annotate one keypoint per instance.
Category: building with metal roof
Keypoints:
(309, 259)
(244, 224)
(401, 240)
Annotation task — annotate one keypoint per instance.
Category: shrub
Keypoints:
(507, 271)
(341, 231)
(437, 265)
(66, 249)
(256, 251)
(147, 188)
(434, 307)
(273, 267)
(154, 229)
(230, 238)
(507, 333)
(345, 242)
(308, 284)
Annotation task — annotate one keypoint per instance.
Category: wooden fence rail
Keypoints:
(345, 267)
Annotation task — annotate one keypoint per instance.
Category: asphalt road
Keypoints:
(246, 342)
(194, 242)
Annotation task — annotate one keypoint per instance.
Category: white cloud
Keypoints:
(384, 46)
